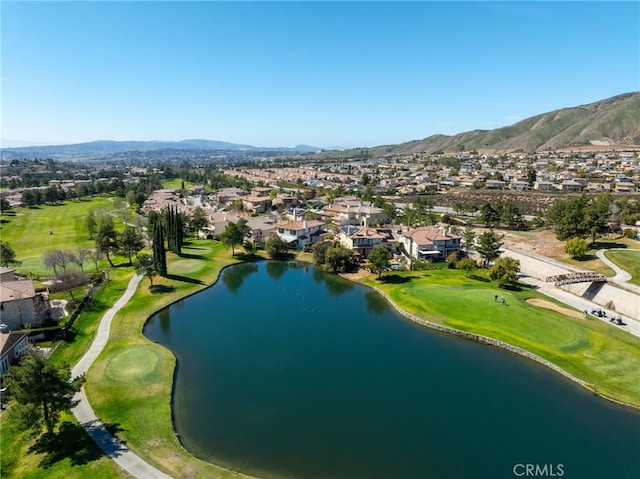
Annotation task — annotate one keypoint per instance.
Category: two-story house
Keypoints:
(361, 239)
(430, 242)
(301, 233)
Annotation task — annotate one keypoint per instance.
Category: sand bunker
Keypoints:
(543, 303)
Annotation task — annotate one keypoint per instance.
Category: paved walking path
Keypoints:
(621, 275)
(112, 446)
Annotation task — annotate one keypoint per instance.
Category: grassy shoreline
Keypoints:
(131, 383)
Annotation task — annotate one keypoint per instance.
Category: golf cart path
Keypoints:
(621, 275)
(83, 412)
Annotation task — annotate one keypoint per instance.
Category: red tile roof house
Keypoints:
(361, 239)
(430, 242)
(301, 233)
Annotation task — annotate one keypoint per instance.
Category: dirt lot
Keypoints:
(543, 303)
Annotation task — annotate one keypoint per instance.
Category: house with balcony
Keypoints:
(299, 234)
(361, 240)
(430, 243)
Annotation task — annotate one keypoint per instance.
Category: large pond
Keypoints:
(285, 371)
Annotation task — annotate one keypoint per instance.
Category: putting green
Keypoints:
(135, 364)
(186, 266)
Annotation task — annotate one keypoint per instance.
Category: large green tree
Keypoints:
(107, 238)
(129, 242)
(488, 247)
(276, 247)
(338, 259)
(234, 234)
(198, 220)
(145, 266)
(7, 255)
(379, 258)
(580, 216)
(468, 238)
(90, 223)
(576, 247)
(489, 215)
(42, 391)
(505, 270)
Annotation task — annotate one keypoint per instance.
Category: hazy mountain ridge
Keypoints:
(613, 121)
(108, 147)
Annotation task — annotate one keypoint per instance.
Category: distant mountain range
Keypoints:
(614, 121)
(104, 147)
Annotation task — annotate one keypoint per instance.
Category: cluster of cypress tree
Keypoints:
(157, 235)
(174, 222)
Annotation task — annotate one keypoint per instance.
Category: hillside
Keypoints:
(614, 121)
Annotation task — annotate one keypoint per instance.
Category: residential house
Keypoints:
(494, 185)
(301, 233)
(261, 228)
(519, 185)
(570, 185)
(599, 187)
(360, 214)
(430, 242)
(361, 239)
(285, 201)
(256, 204)
(544, 186)
(20, 304)
(12, 346)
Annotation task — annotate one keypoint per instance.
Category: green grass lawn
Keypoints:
(599, 354)
(27, 230)
(130, 384)
(72, 455)
(627, 260)
(176, 183)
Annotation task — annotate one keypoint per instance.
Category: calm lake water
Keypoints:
(287, 372)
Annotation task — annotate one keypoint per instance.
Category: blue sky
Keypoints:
(318, 73)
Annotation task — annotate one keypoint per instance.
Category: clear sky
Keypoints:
(318, 73)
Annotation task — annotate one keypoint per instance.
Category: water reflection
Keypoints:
(375, 303)
(234, 277)
(305, 377)
(164, 320)
(275, 269)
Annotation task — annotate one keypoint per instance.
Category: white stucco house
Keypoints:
(301, 233)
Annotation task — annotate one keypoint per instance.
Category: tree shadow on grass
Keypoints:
(72, 442)
(482, 279)
(512, 287)
(396, 279)
(184, 279)
(607, 245)
(3, 221)
(254, 257)
(161, 288)
(191, 256)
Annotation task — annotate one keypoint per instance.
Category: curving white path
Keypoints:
(112, 446)
(621, 275)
